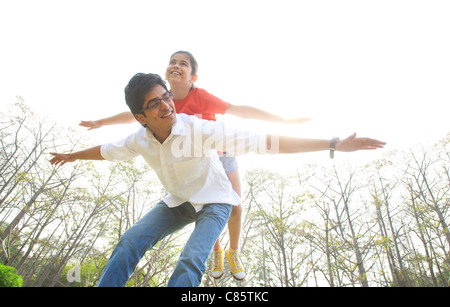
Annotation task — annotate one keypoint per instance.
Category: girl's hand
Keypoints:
(352, 143)
(93, 124)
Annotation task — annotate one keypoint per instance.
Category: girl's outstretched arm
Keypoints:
(248, 112)
(121, 118)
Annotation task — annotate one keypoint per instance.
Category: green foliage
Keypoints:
(9, 277)
(86, 274)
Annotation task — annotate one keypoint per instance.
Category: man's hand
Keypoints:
(61, 159)
(352, 143)
(92, 153)
(90, 124)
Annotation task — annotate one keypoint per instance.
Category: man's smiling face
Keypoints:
(158, 112)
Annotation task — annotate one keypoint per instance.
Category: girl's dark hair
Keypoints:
(137, 87)
(193, 61)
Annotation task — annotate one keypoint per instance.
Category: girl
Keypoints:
(181, 74)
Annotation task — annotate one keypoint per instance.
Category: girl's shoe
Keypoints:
(235, 264)
(218, 265)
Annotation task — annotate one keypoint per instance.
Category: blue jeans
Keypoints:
(159, 222)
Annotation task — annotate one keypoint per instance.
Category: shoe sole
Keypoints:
(220, 276)
(239, 279)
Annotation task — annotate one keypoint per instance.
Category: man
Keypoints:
(182, 150)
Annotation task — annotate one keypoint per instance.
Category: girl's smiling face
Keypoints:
(180, 70)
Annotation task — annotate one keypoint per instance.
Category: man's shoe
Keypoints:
(218, 265)
(235, 264)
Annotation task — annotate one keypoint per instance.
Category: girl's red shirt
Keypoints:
(200, 102)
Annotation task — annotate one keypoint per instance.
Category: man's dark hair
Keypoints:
(138, 86)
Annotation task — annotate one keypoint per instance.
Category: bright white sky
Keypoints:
(380, 68)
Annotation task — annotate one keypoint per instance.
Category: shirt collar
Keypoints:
(177, 129)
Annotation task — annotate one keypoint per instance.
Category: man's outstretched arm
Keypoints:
(296, 145)
(88, 154)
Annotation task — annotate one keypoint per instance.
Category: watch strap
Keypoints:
(333, 146)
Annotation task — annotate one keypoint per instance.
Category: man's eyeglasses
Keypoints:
(155, 103)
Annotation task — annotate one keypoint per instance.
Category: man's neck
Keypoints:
(160, 136)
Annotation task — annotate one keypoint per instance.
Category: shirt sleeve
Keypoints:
(213, 104)
(121, 150)
(218, 136)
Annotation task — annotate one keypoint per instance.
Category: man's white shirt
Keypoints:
(187, 163)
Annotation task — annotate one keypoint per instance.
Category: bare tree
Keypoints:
(338, 189)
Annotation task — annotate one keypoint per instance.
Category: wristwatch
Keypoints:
(333, 146)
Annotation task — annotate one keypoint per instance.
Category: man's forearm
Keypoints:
(88, 154)
(285, 144)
